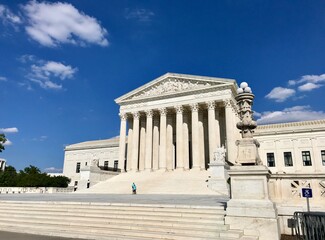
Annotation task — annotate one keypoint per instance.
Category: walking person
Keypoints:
(134, 188)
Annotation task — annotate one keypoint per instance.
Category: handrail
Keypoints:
(309, 225)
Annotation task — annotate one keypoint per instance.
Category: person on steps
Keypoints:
(134, 188)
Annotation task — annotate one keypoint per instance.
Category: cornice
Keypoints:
(293, 127)
(96, 144)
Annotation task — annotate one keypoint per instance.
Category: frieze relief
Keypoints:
(171, 85)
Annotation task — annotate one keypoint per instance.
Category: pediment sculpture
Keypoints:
(171, 86)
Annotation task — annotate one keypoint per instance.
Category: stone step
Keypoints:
(120, 215)
(129, 209)
(109, 220)
(249, 238)
(121, 212)
(232, 234)
(100, 206)
(130, 227)
(101, 233)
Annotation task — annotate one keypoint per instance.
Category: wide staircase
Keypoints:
(116, 221)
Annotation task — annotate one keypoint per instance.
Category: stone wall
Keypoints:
(30, 190)
(286, 192)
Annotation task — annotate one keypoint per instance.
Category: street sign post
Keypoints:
(307, 193)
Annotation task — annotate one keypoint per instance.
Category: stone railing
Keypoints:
(30, 190)
(286, 192)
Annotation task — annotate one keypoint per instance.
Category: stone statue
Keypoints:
(95, 162)
(220, 155)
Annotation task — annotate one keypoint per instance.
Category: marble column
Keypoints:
(129, 150)
(278, 157)
(212, 129)
(135, 141)
(169, 143)
(315, 160)
(142, 148)
(297, 159)
(230, 132)
(201, 140)
(186, 155)
(122, 145)
(148, 159)
(195, 136)
(179, 138)
(217, 128)
(155, 144)
(163, 129)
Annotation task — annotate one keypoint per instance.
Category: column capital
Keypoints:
(211, 105)
(123, 116)
(163, 111)
(228, 103)
(136, 115)
(149, 113)
(179, 109)
(194, 107)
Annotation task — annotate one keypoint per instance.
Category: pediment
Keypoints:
(170, 84)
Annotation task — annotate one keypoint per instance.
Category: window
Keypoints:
(270, 160)
(323, 157)
(86, 163)
(306, 159)
(78, 167)
(76, 183)
(105, 165)
(115, 165)
(287, 159)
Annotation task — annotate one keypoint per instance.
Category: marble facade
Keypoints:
(176, 122)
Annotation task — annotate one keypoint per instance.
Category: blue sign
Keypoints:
(307, 192)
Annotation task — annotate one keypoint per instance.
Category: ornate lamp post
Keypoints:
(247, 146)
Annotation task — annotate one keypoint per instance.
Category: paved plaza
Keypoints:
(195, 200)
(25, 236)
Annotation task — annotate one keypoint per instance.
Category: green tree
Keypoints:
(8, 177)
(30, 177)
(2, 142)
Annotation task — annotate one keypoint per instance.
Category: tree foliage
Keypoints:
(30, 177)
(2, 142)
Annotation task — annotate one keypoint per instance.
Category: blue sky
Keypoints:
(62, 64)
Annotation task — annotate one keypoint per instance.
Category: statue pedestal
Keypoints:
(219, 177)
(247, 152)
(250, 208)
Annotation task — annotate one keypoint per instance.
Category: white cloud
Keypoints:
(53, 170)
(293, 114)
(8, 17)
(308, 82)
(40, 139)
(7, 143)
(44, 73)
(51, 24)
(312, 78)
(280, 94)
(27, 58)
(308, 87)
(139, 14)
(9, 130)
(3, 79)
(56, 69)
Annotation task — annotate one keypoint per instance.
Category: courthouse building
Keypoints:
(177, 121)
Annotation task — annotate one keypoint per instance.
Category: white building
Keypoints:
(176, 122)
